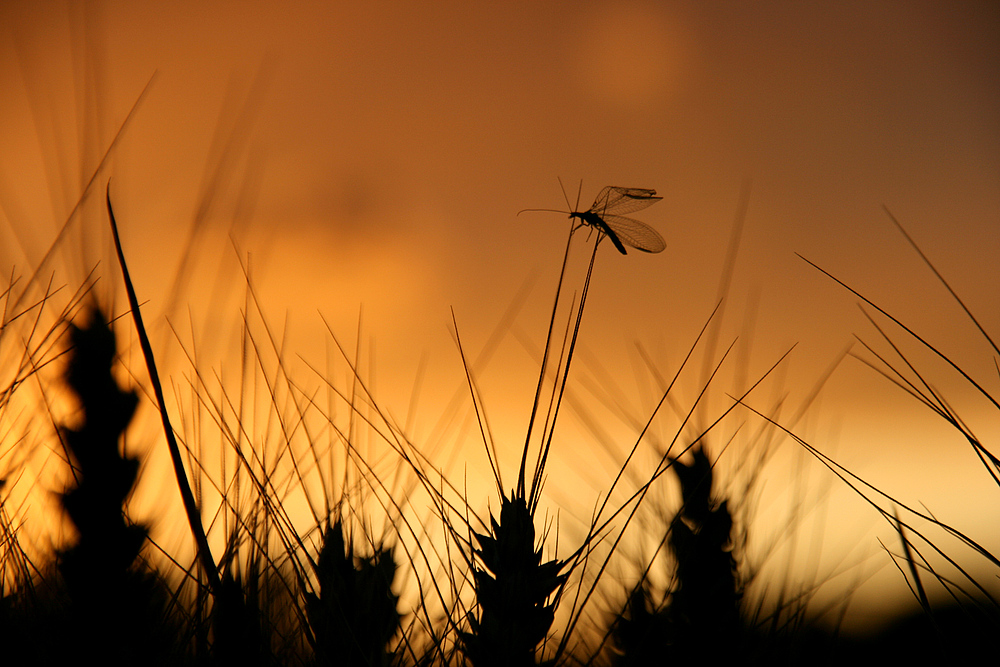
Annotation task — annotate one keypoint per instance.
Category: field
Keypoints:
(286, 379)
(306, 540)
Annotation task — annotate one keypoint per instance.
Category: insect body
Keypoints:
(606, 216)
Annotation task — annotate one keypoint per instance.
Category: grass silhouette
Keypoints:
(701, 619)
(962, 611)
(264, 588)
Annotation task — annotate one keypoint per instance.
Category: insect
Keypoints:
(605, 215)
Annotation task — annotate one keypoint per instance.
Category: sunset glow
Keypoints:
(365, 164)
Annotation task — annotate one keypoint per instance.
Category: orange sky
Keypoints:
(376, 154)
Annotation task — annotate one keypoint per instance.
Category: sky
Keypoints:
(371, 159)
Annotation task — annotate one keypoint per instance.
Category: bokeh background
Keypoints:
(369, 160)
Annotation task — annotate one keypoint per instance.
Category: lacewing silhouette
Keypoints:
(605, 215)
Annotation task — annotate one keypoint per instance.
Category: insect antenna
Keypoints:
(563, 188)
(541, 210)
(553, 210)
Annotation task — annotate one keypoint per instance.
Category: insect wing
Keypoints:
(616, 201)
(637, 234)
(632, 193)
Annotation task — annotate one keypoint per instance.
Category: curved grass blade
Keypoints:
(190, 505)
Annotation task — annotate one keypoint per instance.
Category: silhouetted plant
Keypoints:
(513, 587)
(107, 542)
(924, 558)
(706, 598)
(116, 607)
(238, 638)
(354, 617)
(700, 621)
(285, 604)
